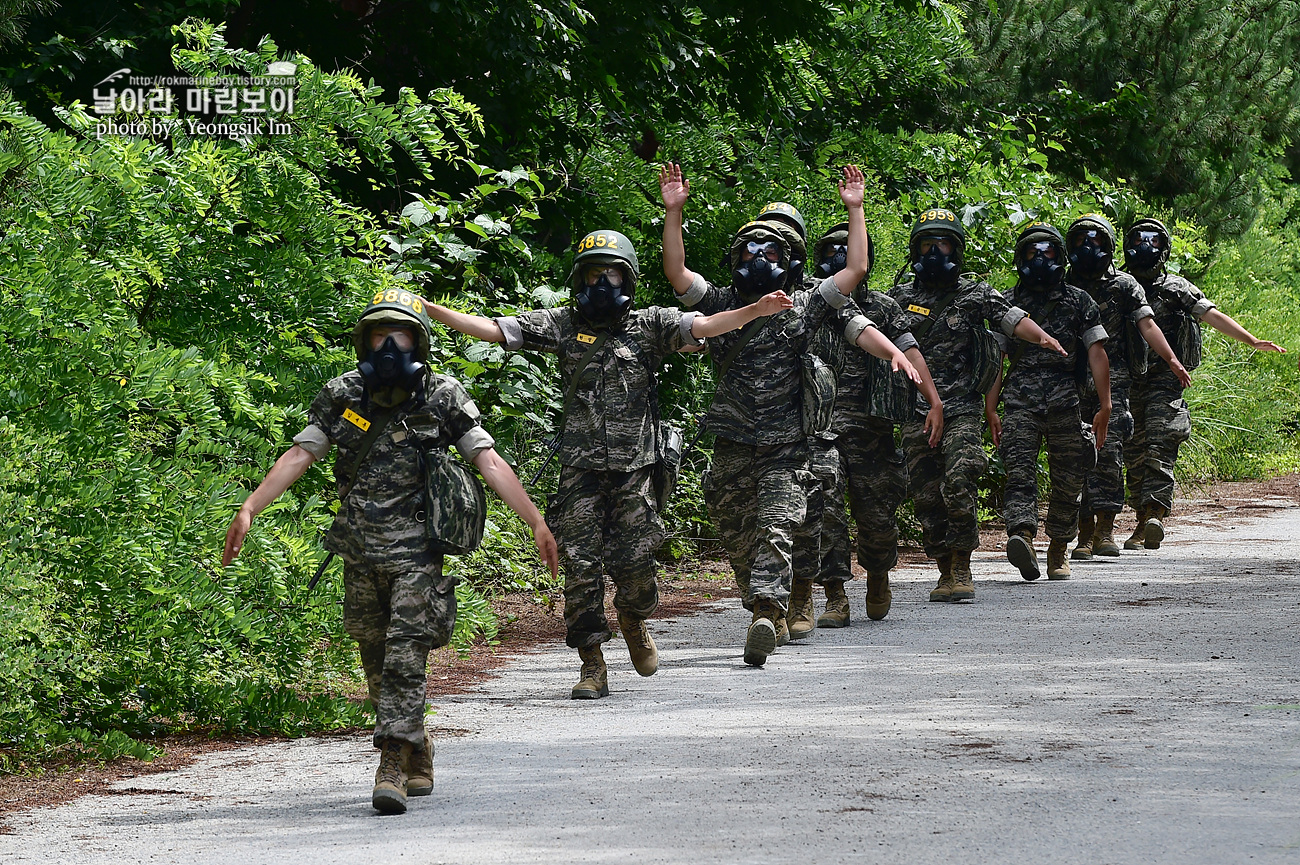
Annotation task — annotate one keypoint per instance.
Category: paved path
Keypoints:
(1145, 711)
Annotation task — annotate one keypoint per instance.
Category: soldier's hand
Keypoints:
(995, 427)
(235, 535)
(852, 187)
(771, 304)
(1265, 345)
(546, 547)
(1100, 422)
(1051, 344)
(673, 187)
(1184, 377)
(934, 424)
(903, 365)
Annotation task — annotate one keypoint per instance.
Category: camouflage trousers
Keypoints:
(605, 522)
(757, 497)
(816, 553)
(397, 612)
(1161, 422)
(1069, 455)
(1103, 488)
(944, 482)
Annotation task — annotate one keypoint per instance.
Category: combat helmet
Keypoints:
(763, 273)
(1045, 267)
(1140, 256)
(780, 211)
(391, 374)
(932, 264)
(603, 304)
(1090, 259)
(394, 307)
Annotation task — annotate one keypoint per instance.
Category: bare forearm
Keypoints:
(675, 253)
(1155, 338)
(995, 393)
(927, 388)
(1029, 331)
(1228, 326)
(291, 465)
(873, 342)
(471, 325)
(1100, 366)
(856, 265)
(503, 480)
(719, 323)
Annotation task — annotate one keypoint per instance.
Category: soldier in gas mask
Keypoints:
(858, 453)
(946, 313)
(1041, 391)
(385, 416)
(604, 512)
(1161, 419)
(769, 395)
(1129, 322)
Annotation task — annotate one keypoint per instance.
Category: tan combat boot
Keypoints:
(419, 771)
(837, 606)
(878, 595)
(1134, 541)
(1103, 539)
(760, 639)
(1021, 553)
(1084, 549)
(1058, 564)
(1155, 530)
(389, 796)
(782, 629)
(640, 645)
(943, 591)
(963, 582)
(802, 617)
(594, 683)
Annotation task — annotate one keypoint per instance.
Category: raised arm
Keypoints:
(675, 189)
(503, 480)
(705, 326)
(1100, 366)
(471, 325)
(934, 417)
(1226, 325)
(291, 465)
(1155, 338)
(852, 189)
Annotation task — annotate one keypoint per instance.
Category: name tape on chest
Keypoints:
(585, 338)
(919, 310)
(356, 420)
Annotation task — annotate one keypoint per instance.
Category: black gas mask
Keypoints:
(935, 260)
(1090, 252)
(1144, 249)
(388, 368)
(835, 257)
(762, 273)
(602, 299)
(1038, 266)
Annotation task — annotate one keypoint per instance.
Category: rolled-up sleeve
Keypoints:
(905, 340)
(688, 322)
(474, 442)
(831, 293)
(1201, 307)
(314, 441)
(854, 327)
(1003, 341)
(1010, 319)
(510, 329)
(1143, 311)
(694, 294)
(1094, 334)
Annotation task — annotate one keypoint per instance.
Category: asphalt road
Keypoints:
(1146, 711)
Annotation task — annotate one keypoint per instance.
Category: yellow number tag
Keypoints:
(356, 420)
(582, 337)
(920, 310)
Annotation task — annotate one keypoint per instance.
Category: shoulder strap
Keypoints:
(577, 374)
(1023, 346)
(935, 313)
(746, 335)
(377, 427)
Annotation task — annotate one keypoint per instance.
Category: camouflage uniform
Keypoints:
(1041, 394)
(398, 604)
(1122, 304)
(603, 513)
(758, 486)
(944, 481)
(1161, 420)
(859, 452)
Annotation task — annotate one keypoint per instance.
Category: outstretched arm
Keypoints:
(1155, 338)
(934, 417)
(873, 342)
(1100, 366)
(852, 190)
(1226, 325)
(705, 326)
(472, 325)
(502, 479)
(675, 189)
(291, 465)
(1027, 330)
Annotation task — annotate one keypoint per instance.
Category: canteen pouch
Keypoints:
(818, 395)
(890, 395)
(668, 464)
(455, 506)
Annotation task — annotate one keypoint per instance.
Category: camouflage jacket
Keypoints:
(948, 345)
(1174, 300)
(377, 521)
(760, 400)
(1122, 304)
(856, 369)
(610, 426)
(1043, 380)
